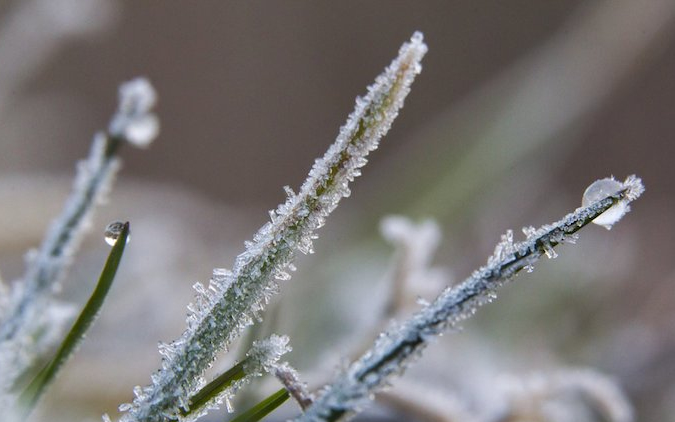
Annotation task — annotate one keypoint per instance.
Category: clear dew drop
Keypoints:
(112, 232)
(601, 189)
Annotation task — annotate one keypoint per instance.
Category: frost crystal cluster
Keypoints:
(32, 321)
(31, 318)
(394, 349)
(233, 299)
(134, 120)
(261, 358)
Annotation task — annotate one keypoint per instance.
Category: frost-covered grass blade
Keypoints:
(33, 321)
(234, 298)
(394, 349)
(87, 317)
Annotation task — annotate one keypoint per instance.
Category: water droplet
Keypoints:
(142, 130)
(113, 231)
(601, 189)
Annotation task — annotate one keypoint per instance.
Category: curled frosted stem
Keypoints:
(27, 317)
(234, 298)
(394, 349)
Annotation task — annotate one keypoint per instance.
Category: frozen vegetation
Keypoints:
(32, 318)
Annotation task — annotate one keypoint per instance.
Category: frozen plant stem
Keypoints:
(22, 324)
(393, 350)
(233, 299)
(45, 268)
(262, 357)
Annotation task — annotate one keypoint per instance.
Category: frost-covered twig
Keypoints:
(393, 350)
(234, 298)
(27, 325)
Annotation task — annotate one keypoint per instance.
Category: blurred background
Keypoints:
(519, 107)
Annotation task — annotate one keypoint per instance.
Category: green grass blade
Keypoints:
(263, 408)
(215, 387)
(37, 386)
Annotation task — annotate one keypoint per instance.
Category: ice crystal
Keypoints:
(216, 320)
(394, 349)
(261, 358)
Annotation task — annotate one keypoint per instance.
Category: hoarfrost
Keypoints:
(23, 327)
(394, 349)
(261, 358)
(29, 326)
(134, 121)
(503, 249)
(217, 323)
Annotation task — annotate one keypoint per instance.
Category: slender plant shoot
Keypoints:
(32, 322)
(91, 310)
(261, 358)
(234, 298)
(394, 349)
(263, 408)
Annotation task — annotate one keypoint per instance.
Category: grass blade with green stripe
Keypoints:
(263, 408)
(36, 388)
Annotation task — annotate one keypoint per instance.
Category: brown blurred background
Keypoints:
(519, 107)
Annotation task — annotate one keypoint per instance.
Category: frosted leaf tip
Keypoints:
(417, 37)
(634, 187)
(134, 120)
